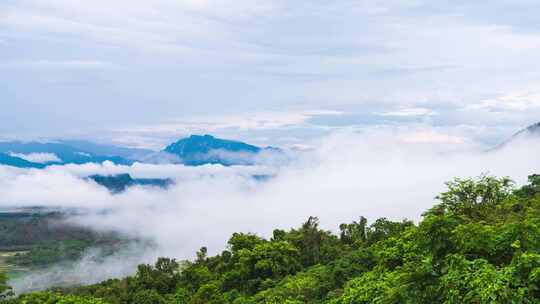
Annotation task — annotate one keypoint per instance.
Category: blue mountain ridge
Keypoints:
(194, 150)
(66, 153)
(106, 149)
(8, 160)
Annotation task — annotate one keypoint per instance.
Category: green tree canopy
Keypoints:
(479, 244)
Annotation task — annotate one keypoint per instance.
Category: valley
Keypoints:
(34, 239)
(12, 270)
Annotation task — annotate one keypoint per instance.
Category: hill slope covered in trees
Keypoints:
(479, 244)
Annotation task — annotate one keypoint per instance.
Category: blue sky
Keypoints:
(145, 72)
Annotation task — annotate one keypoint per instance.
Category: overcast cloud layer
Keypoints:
(145, 72)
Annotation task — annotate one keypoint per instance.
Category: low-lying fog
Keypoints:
(346, 175)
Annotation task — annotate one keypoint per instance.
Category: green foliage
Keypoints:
(46, 239)
(161, 277)
(308, 286)
(532, 189)
(151, 284)
(148, 296)
(474, 198)
(479, 244)
(54, 298)
(5, 289)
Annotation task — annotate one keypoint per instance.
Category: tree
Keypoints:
(354, 234)
(474, 198)
(480, 244)
(148, 296)
(532, 189)
(162, 277)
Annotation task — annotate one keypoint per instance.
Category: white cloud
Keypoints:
(156, 136)
(163, 26)
(246, 121)
(38, 157)
(410, 112)
(201, 56)
(432, 137)
(518, 101)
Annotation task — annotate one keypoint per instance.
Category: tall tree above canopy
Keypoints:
(472, 198)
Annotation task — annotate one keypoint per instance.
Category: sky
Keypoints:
(273, 72)
(386, 100)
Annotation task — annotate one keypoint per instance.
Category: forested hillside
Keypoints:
(34, 239)
(479, 244)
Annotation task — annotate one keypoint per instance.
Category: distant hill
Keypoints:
(532, 130)
(34, 239)
(191, 151)
(8, 160)
(206, 149)
(107, 150)
(63, 153)
(120, 182)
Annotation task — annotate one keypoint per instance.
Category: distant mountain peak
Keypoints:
(206, 149)
(193, 150)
